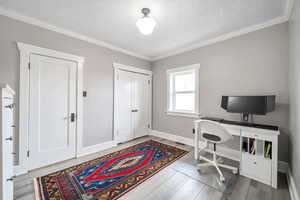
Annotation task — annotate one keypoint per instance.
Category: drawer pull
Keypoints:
(11, 179)
(14, 153)
(13, 126)
(9, 138)
(254, 163)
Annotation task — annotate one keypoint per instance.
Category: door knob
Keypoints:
(9, 138)
(11, 179)
(72, 117)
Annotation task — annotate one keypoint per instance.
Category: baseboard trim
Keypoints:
(292, 186)
(96, 148)
(172, 137)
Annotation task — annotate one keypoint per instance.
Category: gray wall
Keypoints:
(294, 78)
(252, 64)
(98, 71)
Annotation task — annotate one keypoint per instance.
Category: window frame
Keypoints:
(170, 76)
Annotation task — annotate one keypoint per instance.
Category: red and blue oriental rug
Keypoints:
(110, 176)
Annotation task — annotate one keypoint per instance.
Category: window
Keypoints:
(183, 91)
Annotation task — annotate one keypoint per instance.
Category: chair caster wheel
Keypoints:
(222, 179)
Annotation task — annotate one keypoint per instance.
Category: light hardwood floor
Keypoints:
(179, 181)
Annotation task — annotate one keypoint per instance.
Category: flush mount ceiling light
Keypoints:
(146, 24)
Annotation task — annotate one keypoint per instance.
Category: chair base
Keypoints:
(216, 163)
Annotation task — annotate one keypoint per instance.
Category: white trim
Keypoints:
(184, 114)
(172, 137)
(33, 21)
(25, 51)
(289, 9)
(292, 186)
(49, 52)
(170, 73)
(119, 66)
(224, 37)
(96, 148)
(195, 66)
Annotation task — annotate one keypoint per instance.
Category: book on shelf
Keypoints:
(268, 151)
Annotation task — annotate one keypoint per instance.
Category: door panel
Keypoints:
(52, 100)
(141, 104)
(124, 96)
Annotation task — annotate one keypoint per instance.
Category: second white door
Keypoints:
(52, 124)
(132, 104)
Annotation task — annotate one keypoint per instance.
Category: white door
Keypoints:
(52, 124)
(132, 105)
(141, 104)
(123, 106)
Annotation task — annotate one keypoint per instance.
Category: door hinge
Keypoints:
(29, 65)
(27, 153)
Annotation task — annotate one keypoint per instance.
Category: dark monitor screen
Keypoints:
(259, 105)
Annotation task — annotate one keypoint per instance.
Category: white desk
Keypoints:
(252, 166)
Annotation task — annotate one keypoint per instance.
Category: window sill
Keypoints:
(183, 114)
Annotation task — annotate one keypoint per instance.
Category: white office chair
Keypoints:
(214, 133)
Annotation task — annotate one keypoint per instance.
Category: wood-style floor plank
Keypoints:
(168, 188)
(189, 190)
(208, 193)
(150, 185)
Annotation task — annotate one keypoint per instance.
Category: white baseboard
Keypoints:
(292, 186)
(172, 137)
(96, 148)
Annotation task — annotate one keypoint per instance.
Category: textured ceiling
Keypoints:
(180, 23)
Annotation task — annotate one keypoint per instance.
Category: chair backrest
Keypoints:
(211, 129)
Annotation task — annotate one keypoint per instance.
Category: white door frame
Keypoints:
(25, 51)
(117, 67)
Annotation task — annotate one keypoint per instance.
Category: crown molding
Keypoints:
(224, 37)
(284, 18)
(289, 9)
(33, 21)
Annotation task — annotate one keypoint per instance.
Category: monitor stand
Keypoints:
(247, 118)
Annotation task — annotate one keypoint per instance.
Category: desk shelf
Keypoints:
(256, 147)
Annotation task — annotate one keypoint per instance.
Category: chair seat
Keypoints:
(211, 137)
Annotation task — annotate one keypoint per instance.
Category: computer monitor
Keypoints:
(253, 105)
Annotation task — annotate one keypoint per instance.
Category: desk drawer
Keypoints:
(256, 167)
(255, 135)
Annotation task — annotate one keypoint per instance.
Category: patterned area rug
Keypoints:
(109, 176)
